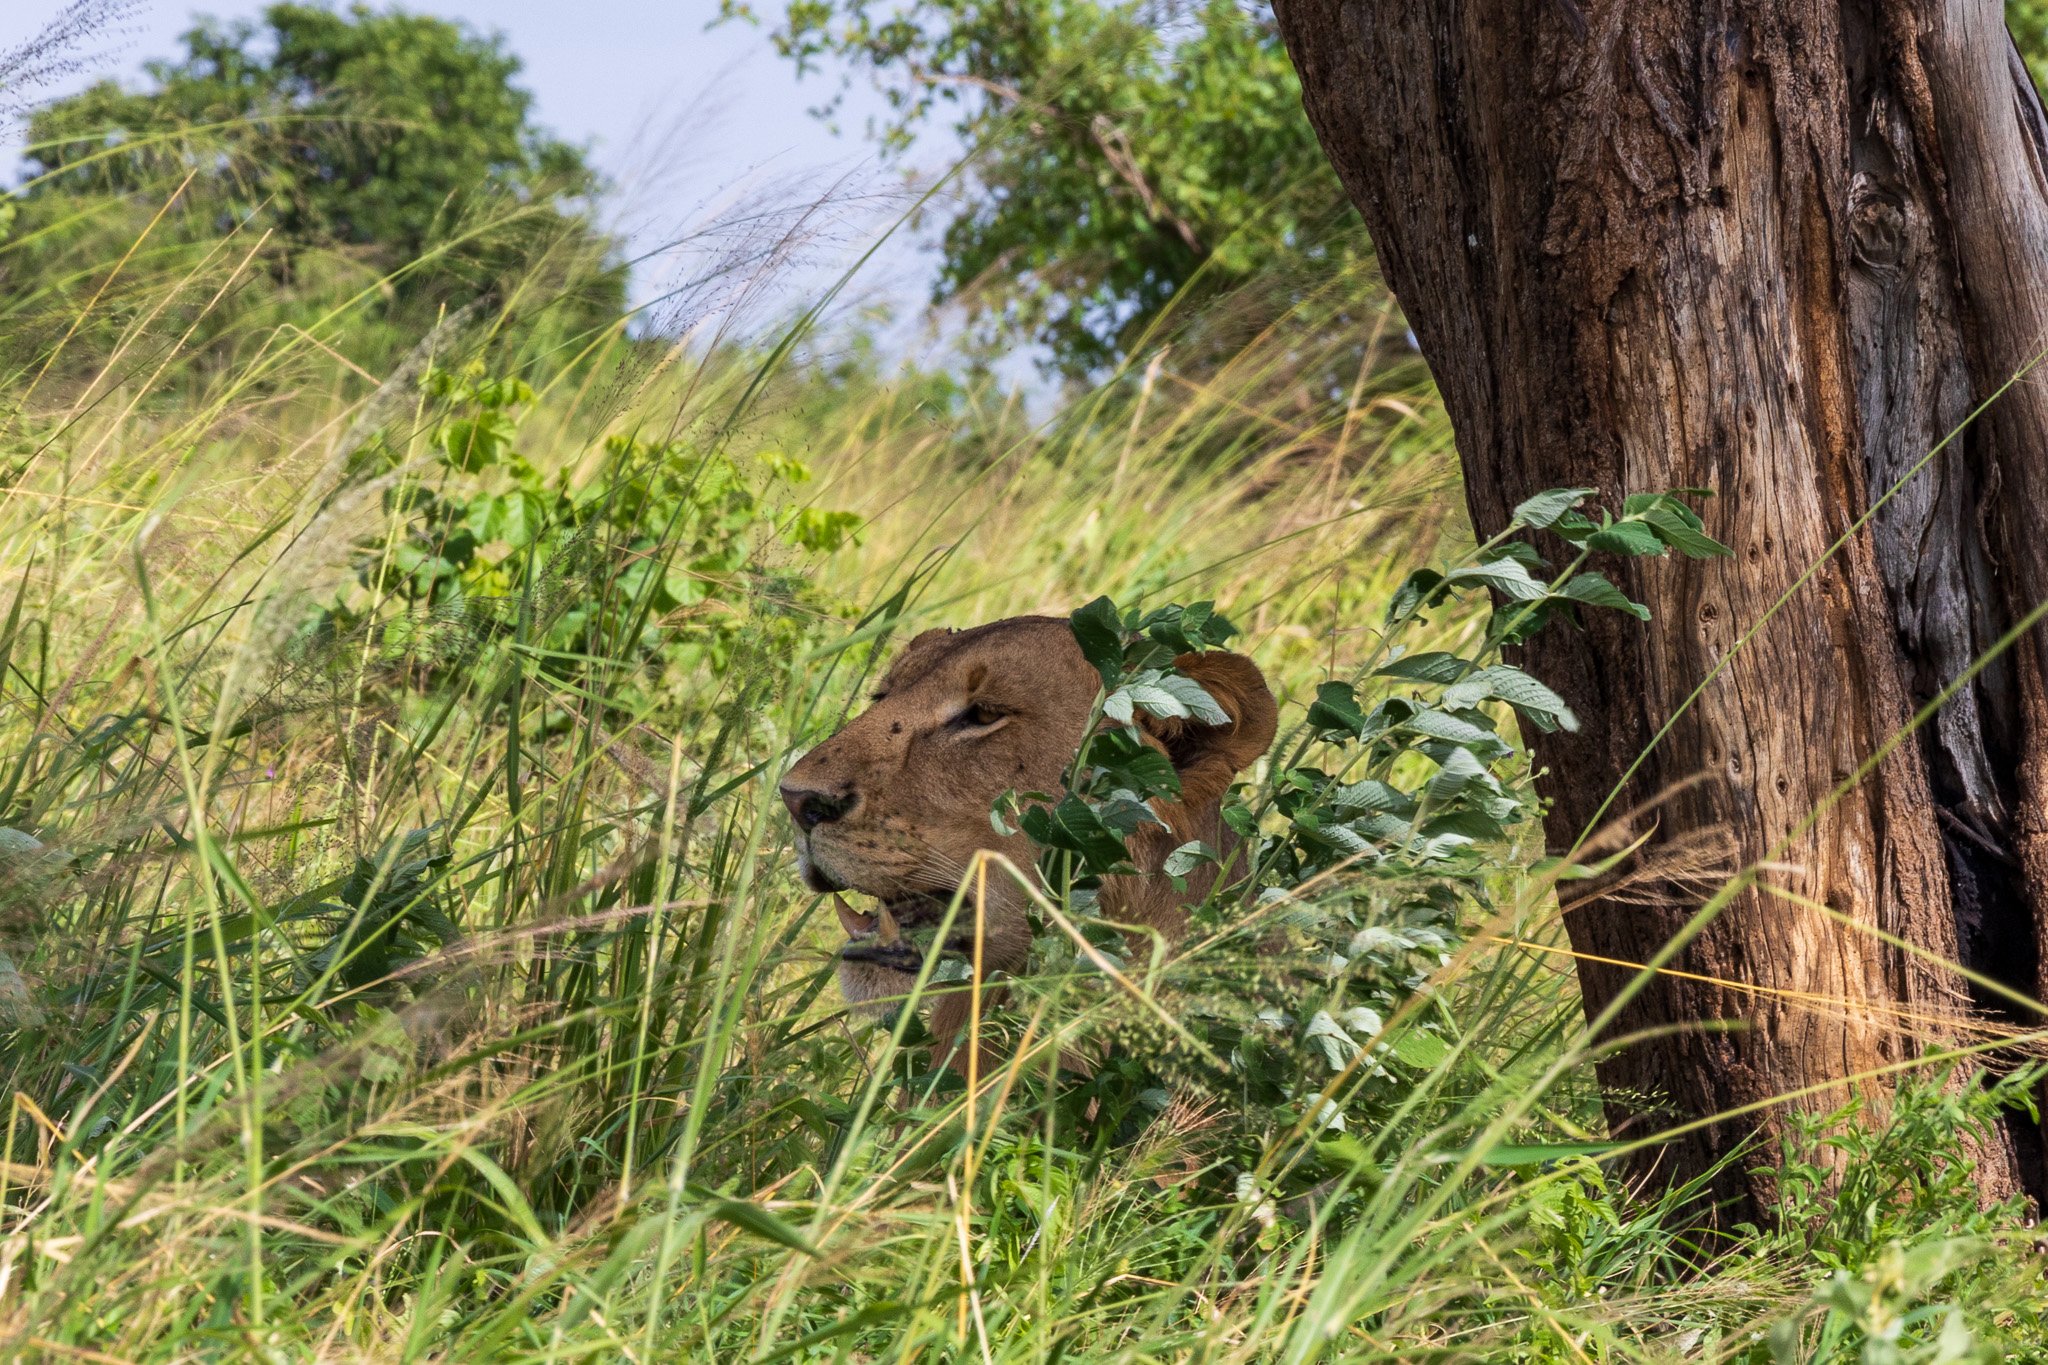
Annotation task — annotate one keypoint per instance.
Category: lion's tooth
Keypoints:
(890, 932)
(851, 920)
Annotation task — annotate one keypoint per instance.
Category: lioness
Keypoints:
(896, 804)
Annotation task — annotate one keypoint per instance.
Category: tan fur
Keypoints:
(960, 718)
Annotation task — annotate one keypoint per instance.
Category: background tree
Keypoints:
(364, 144)
(1125, 153)
(1780, 250)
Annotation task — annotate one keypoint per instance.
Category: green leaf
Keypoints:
(1003, 813)
(1574, 527)
(1174, 694)
(472, 444)
(1373, 795)
(1074, 826)
(1468, 693)
(1187, 629)
(1596, 591)
(1524, 693)
(1123, 813)
(1433, 666)
(1168, 696)
(1627, 538)
(516, 518)
(1535, 1154)
(1418, 590)
(1522, 552)
(1121, 760)
(1509, 577)
(1100, 633)
(1545, 508)
(1515, 622)
(1441, 847)
(1122, 705)
(1437, 725)
(1384, 825)
(1336, 710)
(1468, 824)
(1327, 1036)
(1461, 769)
(1347, 1151)
(1511, 685)
(1635, 504)
(1420, 1049)
(763, 1224)
(822, 531)
(1683, 533)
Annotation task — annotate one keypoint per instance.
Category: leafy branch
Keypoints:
(1378, 827)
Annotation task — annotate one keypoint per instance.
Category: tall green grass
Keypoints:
(401, 975)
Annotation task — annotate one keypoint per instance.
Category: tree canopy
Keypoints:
(392, 144)
(1126, 151)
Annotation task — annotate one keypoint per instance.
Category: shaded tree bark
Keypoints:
(1779, 248)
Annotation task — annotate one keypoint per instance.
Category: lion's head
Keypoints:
(896, 804)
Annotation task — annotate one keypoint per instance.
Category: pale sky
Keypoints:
(697, 125)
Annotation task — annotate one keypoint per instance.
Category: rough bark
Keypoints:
(1778, 248)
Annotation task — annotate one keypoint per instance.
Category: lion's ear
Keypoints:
(1208, 756)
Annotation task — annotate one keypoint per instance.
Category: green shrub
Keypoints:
(657, 559)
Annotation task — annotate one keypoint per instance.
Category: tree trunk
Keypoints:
(1778, 248)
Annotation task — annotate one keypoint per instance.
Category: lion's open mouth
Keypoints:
(889, 915)
(896, 931)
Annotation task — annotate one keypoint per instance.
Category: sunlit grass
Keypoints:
(603, 1102)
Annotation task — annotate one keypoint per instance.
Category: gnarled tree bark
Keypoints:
(1779, 248)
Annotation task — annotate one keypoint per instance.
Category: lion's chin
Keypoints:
(874, 990)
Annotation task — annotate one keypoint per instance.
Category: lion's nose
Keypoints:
(811, 807)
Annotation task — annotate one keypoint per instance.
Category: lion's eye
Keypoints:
(978, 715)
